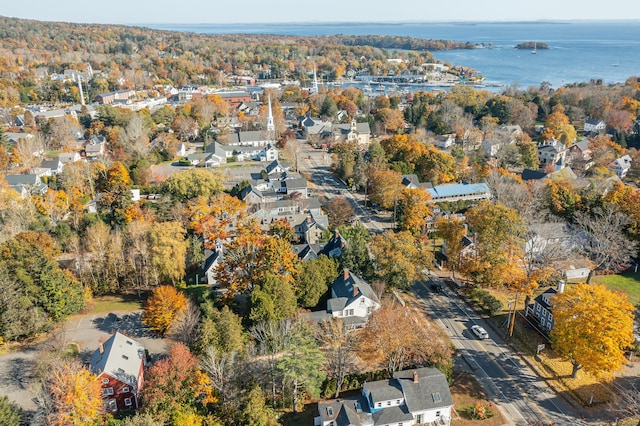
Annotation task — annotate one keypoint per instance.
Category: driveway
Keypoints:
(17, 369)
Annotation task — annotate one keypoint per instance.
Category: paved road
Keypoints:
(315, 164)
(518, 391)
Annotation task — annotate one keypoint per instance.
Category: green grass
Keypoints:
(627, 282)
(128, 302)
(196, 292)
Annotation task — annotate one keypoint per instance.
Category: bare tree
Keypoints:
(185, 328)
(135, 137)
(30, 150)
(338, 347)
(271, 338)
(602, 237)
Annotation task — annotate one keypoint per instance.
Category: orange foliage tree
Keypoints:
(163, 307)
(396, 337)
(176, 384)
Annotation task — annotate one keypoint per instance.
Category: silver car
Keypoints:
(480, 332)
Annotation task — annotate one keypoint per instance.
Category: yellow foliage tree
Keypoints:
(76, 394)
(168, 250)
(414, 208)
(557, 126)
(163, 307)
(592, 328)
(385, 187)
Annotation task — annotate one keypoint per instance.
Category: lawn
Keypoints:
(105, 304)
(467, 393)
(627, 282)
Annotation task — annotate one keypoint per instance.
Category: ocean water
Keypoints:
(579, 50)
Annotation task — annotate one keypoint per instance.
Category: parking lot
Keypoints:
(17, 369)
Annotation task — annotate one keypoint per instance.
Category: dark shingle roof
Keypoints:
(383, 390)
(349, 285)
(430, 392)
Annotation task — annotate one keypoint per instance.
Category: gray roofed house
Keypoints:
(27, 183)
(352, 132)
(352, 299)
(54, 166)
(250, 138)
(276, 166)
(119, 363)
(416, 396)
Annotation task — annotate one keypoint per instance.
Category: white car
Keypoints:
(480, 332)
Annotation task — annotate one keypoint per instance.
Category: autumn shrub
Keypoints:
(478, 411)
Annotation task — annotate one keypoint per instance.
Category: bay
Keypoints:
(579, 51)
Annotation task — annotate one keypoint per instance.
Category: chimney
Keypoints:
(355, 290)
(101, 348)
(346, 274)
(561, 286)
(415, 377)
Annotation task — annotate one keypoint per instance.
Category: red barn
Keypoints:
(119, 363)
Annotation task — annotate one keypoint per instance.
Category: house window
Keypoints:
(107, 391)
(127, 402)
(329, 411)
(397, 402)
(129, 342)
(542, 322)
(125, 389)
(378, 404)
(418, 418)
(105, 380)
(111, 405)
(350, 312)
(436, 397)
(125, 357)
(437, 413)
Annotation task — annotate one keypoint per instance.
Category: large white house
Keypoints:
(411, 397)
(352, 299)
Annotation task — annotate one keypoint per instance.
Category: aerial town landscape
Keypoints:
(234, 229)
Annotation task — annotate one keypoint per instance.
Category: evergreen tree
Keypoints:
(255, 411)
(272, 299)
(10, 413)
(301, 363)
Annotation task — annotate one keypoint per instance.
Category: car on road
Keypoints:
(436, 286)
(480, 331)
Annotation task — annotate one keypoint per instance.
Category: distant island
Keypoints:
(532, 45)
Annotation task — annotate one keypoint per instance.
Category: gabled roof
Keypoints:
(26, 179)
(593, 121)
(548, 293)
(430, 390)
(51, 164)
(383, 390)
(410, 179)
(350, 286)
(528, 174)
(334, 246)
(119, 357)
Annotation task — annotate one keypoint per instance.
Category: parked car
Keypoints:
(480, 331)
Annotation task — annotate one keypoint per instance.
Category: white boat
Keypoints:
(533, 52)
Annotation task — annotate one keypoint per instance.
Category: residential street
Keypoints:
(316, 164)
(509, 382)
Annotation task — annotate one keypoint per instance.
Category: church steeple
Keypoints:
(271, 128)
(315, 89)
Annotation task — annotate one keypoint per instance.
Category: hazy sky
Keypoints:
(269, 11)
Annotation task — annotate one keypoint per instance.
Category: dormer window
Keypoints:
(330, 411)
(436, 397)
